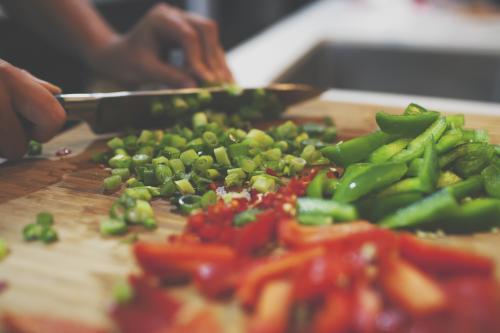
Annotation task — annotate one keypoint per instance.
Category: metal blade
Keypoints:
(111, 112)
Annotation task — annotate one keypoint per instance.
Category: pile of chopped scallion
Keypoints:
(182, 163)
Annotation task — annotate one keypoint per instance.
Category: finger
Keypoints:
(13, 140)
(213, 52)
(36, 104)
(160, 72)
(171, 24)
(47, 85)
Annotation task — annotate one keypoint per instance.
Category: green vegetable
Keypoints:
(112, 227)
(316, 186)
(189, 203)
(476, 215)
(115, 143)
(184, 186)
(428, 174)
(124, 173)
(48, 235)
(407, 124)
(491, 176)
(357, 149)
(422, 212)
(378, 207)
(466, 188)
(120, 161)
(188, 157)
(4, 249)
(123, 293)
(34, 148)
(370, 178)
(386, 152)
(45, 219)
(246, 217)
(221, 156)
(112, 183)
(263, 184)
(208, 198)
(314, 219)
(336, 210)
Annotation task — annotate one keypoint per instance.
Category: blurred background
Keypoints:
(426, 65)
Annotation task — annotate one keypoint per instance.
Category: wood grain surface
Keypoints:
(72, 278)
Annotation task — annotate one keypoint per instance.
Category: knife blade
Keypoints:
(115, 111)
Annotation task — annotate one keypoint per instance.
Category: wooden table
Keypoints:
(72, 278)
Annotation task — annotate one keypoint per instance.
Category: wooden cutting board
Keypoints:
(72, 278)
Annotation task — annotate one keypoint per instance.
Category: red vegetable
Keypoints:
(444, 261)
(336, 314)
(179, 260)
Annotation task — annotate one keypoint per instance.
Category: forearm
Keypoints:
(72, 25)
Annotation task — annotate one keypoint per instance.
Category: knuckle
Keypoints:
(211, 26)
(6, 69)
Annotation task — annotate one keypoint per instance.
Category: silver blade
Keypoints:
(111, 112)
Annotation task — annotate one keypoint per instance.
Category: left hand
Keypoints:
(135, 58)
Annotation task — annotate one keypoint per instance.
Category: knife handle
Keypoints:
(79, 106)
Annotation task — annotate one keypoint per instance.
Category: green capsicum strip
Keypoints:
(429, 170)
(385, 152)
(476, 215)
(357, 149)
(403, 186)
(376, 208)
(466, 188)
(491, 176)
(336, 210)
(416, 147)
(405, 125)
(449, 140)
(422, 212)
(373, 178)
(315, 187)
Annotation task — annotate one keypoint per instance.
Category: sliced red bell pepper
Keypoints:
(203, 322)
(368, 306)
(273, 307)
(25, 323)
(179, 260)
(409, 288)
(336, 314)
(150, 311)
(218, 279)
(265, 270)
(293, 235)
(255, 235)
(441, 260)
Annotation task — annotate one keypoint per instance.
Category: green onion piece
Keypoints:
(178, 141)
(120, 161)
(189, 203)
(124, 173)
(133, 182)
(115, 143)
(213, 173)
(32, 232)
(167, 189)
(162, 172)
(272, 154)
(258, 138)
(221, 156)
(184, 186)
(314, 219)
(160, 160)
(196, 144)
(188, 157)
(171, 152)
(179, 104)
(238, 150)
(146, 136)
(123, 292)
(112, 227)
(204, 97)
(48, 235)
(4, 249)
(140, 212)
(146, 150)
(203, 163)
(45, 219)
(210, 139)
(247, 165)
(208, 198)
(246, 217)
(141, 193)
(263, 184)
(233, 179)
(199, 119)
(112, 183)
(130, 142)
(177, 166)
(150, 223)
(140, 159)
(34, 148)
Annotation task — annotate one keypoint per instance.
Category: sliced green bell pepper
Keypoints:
(476, 215)
(407, 124)
(422, 212)
(385, 152)
(491, 176)
(377, 208)
(355, 150)
(429, 170)
(336, 210)
(372, 178)
(466, 188)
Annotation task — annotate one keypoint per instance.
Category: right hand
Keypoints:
(28, 110)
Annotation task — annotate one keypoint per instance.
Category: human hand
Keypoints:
(28, 110)
(135, 58)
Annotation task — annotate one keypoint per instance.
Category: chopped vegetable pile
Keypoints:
(41, 230)
(187, 163)
(286, 277)
(421, 170)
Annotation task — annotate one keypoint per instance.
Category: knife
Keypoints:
(115, 111)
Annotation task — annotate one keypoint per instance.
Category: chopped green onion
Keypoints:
(115, 143)
(184, 186)
(246, 217)
(124, 173)
(112, 227)
(199, 119)
(203, 163)
(221, 156)
(48, 235)
(177, 166)
(120, 161)
(112, 183)
(123, 293)
(4, 249)
(45, 219)
(188, 157)
(34, 148)
(189, 203)
(208, 198)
